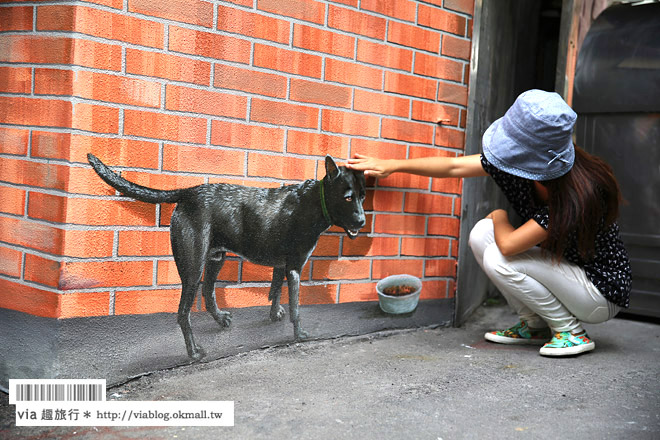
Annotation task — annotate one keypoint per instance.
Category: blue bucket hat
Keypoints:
(534, 137)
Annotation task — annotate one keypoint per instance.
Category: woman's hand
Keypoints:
(372, 167)
(512, 241)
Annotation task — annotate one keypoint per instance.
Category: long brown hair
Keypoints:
(581, 202)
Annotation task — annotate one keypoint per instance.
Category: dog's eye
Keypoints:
(348, 198)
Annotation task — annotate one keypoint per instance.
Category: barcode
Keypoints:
(56, 390)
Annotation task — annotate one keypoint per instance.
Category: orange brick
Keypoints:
(30, 234)
(282, 113)
(60, 50)
(304, 142)
(254, 25)
(350, 123)
(244, 297)
(100, 23)
(202, 160)
(353, 3)
(440, 268)
(371, 246)
(117, 4)
(438, 67)
(379, 149)
(410, 85)
(90, 274)
(96, 118)
(14, 141)
(447, 226)
(456, 47)
(419, 203)
(436, 18)
(112, 151)
(424, 247)
(167, 272)
(30, 111)
(374, 102)
(320, 93)
(86, 181)
(384, 55)
(403, 180)
(10, 262)
(289, 61)
(290, 168)
(385, 268)
(163, 181)
(28, 299)
(328, 246)
(466, 6)
(26, 172)
(140, 302)
(53, 82)
(449, 137)
(15, 79)
(187, 99)
(407, 131)
(87, 243)
(318, 40)
(255, 273)
(391, 201)
(357, 292)
(353, 74)
(447, 185)
(341, 269)
(166, 214)
(307, 10)
(98, 86)
(356, 22)
(13, 199)
(318, 294)
(163, 126)
(413, 36)
(436, 113)
(454, 93)
(168, 66)
(207, 44)
(90, 211)
(42, 270)
(16, 18)
(247, 136)
(434, 289)
(235, 78)
(84, 304)
(187, 11)
(401, 9)
(400, 224)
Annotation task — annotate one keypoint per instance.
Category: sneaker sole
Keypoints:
(514, 341)
(567, 351)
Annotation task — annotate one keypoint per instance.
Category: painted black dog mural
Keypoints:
(276, 227)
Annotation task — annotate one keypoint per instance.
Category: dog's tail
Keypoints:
(131, 189)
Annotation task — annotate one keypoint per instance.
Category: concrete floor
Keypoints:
(443, 383)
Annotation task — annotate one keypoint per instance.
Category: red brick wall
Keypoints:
(179, 93)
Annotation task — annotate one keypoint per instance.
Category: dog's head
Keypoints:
(345, 191)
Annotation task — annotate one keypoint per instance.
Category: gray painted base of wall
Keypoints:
(118, 348)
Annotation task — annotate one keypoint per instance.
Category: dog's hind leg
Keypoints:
(293, 279)
(276, 310)
(213, 266)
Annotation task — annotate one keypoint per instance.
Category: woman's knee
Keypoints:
(481, 236)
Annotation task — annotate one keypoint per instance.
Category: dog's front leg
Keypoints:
(293, 279)
(276, 310)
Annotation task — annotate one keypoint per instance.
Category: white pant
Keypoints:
(542, 292)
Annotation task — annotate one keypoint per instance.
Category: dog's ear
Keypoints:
(331, 169)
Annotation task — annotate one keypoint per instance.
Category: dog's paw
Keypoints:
(223, 318)
(278, 314)
(301, 334)
(198, 354)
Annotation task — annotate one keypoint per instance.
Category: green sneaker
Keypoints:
(567, 344)
(520, 334)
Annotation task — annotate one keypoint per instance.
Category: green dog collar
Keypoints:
(323, 206)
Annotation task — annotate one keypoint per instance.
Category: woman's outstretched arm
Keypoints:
(463, 166)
